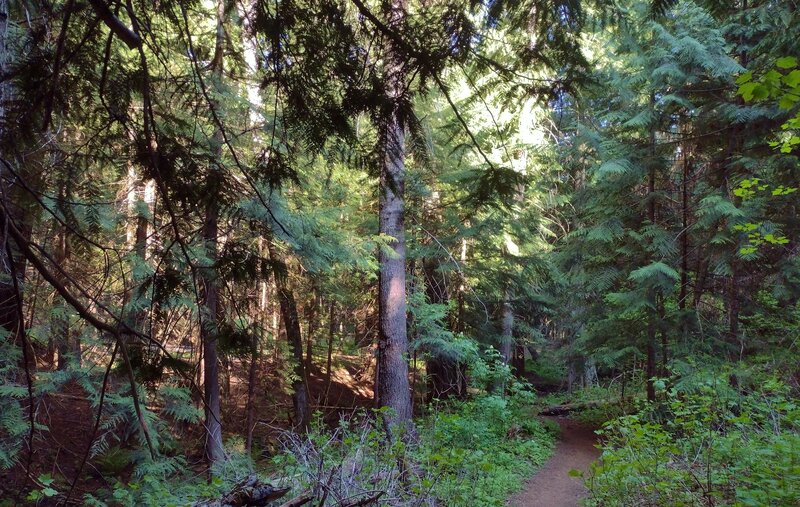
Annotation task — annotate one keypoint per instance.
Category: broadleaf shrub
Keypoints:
(713, 440)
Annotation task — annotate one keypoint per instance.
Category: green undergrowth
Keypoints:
(483, 449)
(472, 452)
(726, 435)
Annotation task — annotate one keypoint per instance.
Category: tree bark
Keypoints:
(732, 301)
(519, 361)
(700, 284)
(311, 318)
(67, 346)
(331, 335)
(652, 296)
(291, 323)
(18, 205)
(251, 392)
(392, 388)
(684, 291)
(506, 335)
(664, 337)
(208, 332)
(215, 452)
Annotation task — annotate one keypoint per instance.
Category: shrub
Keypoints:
(482, 450)
(712, 441)
(467, 453)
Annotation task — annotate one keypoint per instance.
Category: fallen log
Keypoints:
(298, 501)
(250, 492)
(566, 408)
(362, 502)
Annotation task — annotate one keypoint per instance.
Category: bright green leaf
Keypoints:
(787, 62)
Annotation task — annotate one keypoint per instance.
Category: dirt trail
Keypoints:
(552, 486)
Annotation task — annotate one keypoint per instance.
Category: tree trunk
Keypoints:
(291, 323)
(507, 329)
(67, 346)
(331, 335)
(506, 336)
(684, 291)
(215, 452)
(16, 202)
(392, 387)
(251, 392)
(311, 318)
(664, 338)
(700, 284)
(459, 325)
(652, 296)
(519, 361)
(60, 328)
(732, 301)
(208, 333)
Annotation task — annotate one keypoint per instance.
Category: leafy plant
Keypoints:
(722, 436)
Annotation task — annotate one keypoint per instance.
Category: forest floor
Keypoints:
(553, 486)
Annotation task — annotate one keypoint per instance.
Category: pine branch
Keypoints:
(218, 123)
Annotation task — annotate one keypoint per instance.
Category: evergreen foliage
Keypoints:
(592, 194)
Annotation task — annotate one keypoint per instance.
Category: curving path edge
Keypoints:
(552, 486)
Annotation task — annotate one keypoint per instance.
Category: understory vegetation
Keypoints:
(723, 435)
(468, 453)
(351, 253)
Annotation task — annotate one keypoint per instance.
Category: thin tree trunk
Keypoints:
(311, 316)
(519, 361)
(652, 297)
(137, 235)
(459, 326)
(651, 357)
(66, 345)
(700, 284)
(260, 318)
(506, 335)
(251, 392)
(215, 452)
(331, 335)
(208, 333)
(14, 201)
(684, 291)
(392, 387)
(732, 300)
(664, 338)
(291, 323)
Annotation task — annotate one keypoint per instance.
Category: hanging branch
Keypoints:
(25, 346)
(128, 36)
(100, 325)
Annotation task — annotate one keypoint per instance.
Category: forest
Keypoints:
(399, 253)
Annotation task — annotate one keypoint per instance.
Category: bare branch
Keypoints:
(128, 36)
